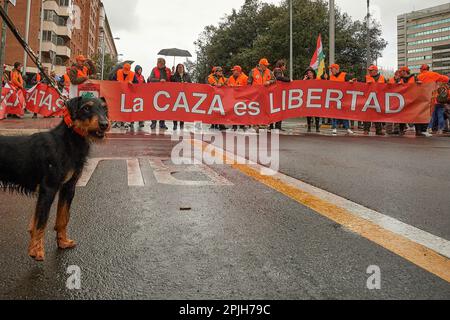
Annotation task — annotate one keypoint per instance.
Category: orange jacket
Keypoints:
(16, 79)
(393, 80)
(241, 81)
(339, 78)
(431, 76)
(260, 79)
(66, 80)
(212, 80)
(121, 77)
(370, 79)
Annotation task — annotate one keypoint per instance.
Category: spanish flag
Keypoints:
(318, 60)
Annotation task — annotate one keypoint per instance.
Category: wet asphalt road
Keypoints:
(239, 241)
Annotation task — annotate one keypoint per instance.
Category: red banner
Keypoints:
(12, 101)
(260, 105)
(44, 100)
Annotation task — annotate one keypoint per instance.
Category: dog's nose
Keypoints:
(103, 125)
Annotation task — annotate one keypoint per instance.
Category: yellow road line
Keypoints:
(418, 254)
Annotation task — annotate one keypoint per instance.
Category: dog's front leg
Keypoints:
(39, 222)
(66, 196)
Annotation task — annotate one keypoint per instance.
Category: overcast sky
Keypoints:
(145, 27)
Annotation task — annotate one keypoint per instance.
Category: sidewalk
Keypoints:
(28, 126)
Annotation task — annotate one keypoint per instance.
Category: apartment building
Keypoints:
(424, 38)
(69, 28)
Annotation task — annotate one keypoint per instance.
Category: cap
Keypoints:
(373, 68)
(425, 67)
(216, 69)
(81, 58)
(127, 67)
(335, 65)
(264, 62)
(237, 68)
(404, 69)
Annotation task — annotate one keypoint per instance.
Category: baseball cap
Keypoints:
(264, 62)
(373, 68)
(335, 65)
(237, 68)
(404, 69)
(81, 58)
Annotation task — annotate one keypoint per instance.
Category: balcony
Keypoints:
(48, 46)
(63, 51)
(63, 31)
(53, 5)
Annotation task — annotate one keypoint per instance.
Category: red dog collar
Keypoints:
(69, 123)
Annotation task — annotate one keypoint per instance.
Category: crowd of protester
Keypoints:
(83, 69)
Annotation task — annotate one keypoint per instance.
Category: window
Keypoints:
(419, 58)
(429, 40)
(420, 50)
(64, 3)
(429, 24)
(425, 33)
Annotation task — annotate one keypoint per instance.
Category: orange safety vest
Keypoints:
(16, 78)
(212, 80)
(83, 73)
(259, 79)
(370, 79)
(241, 81)
(339, 78)
(431, 76)
(393, 81)
(66, 80)
(412, 79)
(122, 78)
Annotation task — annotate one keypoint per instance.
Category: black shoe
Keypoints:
(164, 127)
(317, 130)
(153, 126)
(309, 130)
(175, 127)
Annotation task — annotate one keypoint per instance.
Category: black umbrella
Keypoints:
(174, 52)
(118, 67)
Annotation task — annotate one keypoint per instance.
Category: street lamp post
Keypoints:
(291, 43)
(332, 33)
(3, 46)
(368, 35)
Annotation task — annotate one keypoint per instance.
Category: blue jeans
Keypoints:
(334, 123)
(438, 116)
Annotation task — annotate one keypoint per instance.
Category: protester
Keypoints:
(261, 76)
(64, 81)
(81, 70)
(338, 76)
(160, 74)
(237, 79)
(5, 77)
(408, 78)
(125, 75)
(427, 76)
(180, 76)
(374, 76)
(311, 74)
(16, 76)
(217, 79)
(278, 72)
(140, 79)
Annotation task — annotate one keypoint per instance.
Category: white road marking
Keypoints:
(162, 172)
(135, 178)
(426, 239)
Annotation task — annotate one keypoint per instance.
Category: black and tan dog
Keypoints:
(47, 163)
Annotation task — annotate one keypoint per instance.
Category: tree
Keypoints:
(261, 30)
(110, 62)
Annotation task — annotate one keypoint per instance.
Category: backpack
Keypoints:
(443, 94)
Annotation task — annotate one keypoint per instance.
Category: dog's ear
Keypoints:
(74, 104)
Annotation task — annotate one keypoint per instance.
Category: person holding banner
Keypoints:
(16, 76)
(261, 76)
(237, 79)
(125, 75)
(408, 78)
(217, 79)
(310, 74)
(278, 72)
(180, 76)
(81, 70)
(160, 74)
(339, 76)
(140, 79)
(374, 76)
